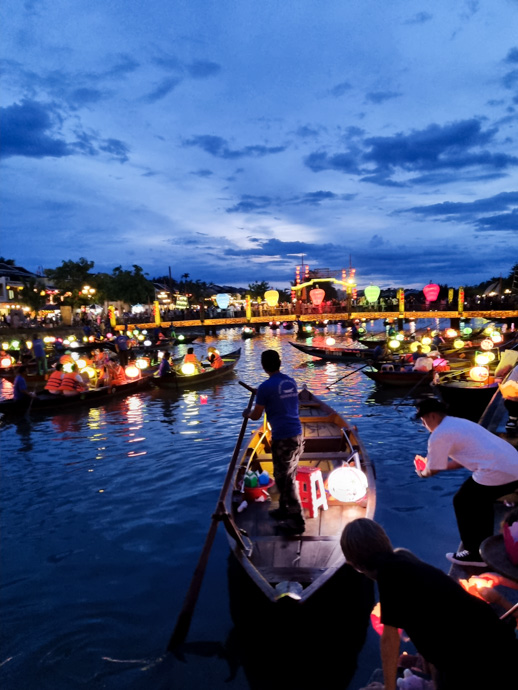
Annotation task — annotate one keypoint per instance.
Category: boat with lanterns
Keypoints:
(399, 378)
(187, 375)
(336, 483)
(335, 353)
(248, 332)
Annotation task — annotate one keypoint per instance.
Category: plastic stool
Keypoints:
(311, 489)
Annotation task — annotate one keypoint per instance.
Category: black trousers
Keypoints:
(474, 509)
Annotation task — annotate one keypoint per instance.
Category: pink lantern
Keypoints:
(431, 291)
(317, 296)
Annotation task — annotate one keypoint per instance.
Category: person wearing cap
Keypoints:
(456, 443)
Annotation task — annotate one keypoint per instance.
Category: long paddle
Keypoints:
(348, 374)
(184, 619)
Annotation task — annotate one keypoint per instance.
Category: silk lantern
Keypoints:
(431, 291)
(372, 292)
(271, 297)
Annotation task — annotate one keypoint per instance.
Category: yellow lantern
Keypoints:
(5, 345)
(458, 344)
(482, 358)
(479, 374)
(490, 356)
(90, 371)
(394, 344)
(132, 372)
(425, 348)
(271, 297)
(414, 346)
(426, 340)
(451, 333)
(188, 369)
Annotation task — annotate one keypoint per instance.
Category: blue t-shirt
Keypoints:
(122, 342)
(278, 396)
(20, 388)
(38, 347)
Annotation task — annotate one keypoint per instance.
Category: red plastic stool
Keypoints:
(311, 489)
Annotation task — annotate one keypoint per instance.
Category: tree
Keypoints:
(9, 262)
(32, 294)
(258, 289)
(130, 287)
(71, 277)
(198, 290)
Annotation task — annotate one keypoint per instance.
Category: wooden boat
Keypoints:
(335, 354)
(44, 401)
(399, 378)
(248, 332)
(465, 398)
(295, 567)
(176, 380)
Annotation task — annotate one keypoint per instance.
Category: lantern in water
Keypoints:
(372, 292)
(496, 337)
(431, 292)
(6, 361)
(317, 296)
(458, 344)
(347, 484)
(426, 340)
(451, 333)
(188, 369)
(479, 374)
(271, 297)
(222, 300)
(180, 337)
(394, 344)
(308, 328)
(142, 363)
(203, 399)
(132, 371)
(482, 358)
(487, 344)
(330, 341)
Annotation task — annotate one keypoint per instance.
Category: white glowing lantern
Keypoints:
(347, 484)
(330, 341)
(6, 361)
(394, 344)
(74, 355)
(458, 344)
(132, 372)
(147, 343)
(81, 363)
(222, 300)
(479, 374)
(67, 367)
(486, 344)
(188, 369)
(426, 340)
(74, 344)
(400, 336)
(496, 337)
(85, 339)
(29, 344)
(5, 345)
(451, 333)
(482, 358)
(15, 344)
(66, 341)
(142, 363)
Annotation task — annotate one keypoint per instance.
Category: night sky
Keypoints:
(226, 139)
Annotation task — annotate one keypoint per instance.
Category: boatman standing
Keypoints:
(279, 398)
(456, 443)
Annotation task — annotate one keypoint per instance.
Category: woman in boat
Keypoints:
(460, 635)
(20, 393)
(459, 443)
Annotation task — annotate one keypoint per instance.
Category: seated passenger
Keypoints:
(165, 365)
(190, 358)
(116, 374)
(72, 382)
(214, 358)
(53, 384)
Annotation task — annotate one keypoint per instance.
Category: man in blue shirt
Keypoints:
(121, 344)
(279, 398)
(38, 349)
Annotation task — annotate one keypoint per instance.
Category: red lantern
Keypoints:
(431, 291)
(317, 296)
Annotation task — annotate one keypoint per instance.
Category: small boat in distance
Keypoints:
(335, 353)
(176, 379)
(295, 567)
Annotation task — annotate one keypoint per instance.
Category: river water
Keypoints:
(104, 513)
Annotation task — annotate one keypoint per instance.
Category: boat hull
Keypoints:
(466, 398)
(335, 354)
(176, 381)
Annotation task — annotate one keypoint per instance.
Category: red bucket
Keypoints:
(252, 493)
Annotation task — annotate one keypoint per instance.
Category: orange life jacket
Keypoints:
(70, 384)
(190, 358)
(117, 376)
(216, 362)
(54, 381)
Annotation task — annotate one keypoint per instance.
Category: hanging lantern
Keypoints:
(401, 300)
(347, 484)
(330, 341)
(222, 300)
(271, 297)
(487, 344)
(132, 372)
(479, 374)
(431, 291)
(372, 292)
(458, 344)
(188, 369)
(317, 296)
(394, 344)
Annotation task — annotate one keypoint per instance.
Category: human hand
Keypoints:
(246, 413)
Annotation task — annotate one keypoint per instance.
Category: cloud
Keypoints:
(116, 148)
(219, 148)
(505, 222)
(340, 89)
(343, 162)
(29, 129)
(202, 69)
(250, 203)
(419, 18)
(307, 132)
(162, 90)
(378, 97)
(499, 202)
(512, 56)
(202, 173)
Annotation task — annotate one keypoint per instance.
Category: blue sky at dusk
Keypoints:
(227, 138)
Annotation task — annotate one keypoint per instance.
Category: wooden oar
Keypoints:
(184, 619)
(349, 374)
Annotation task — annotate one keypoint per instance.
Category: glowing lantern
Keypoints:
(496, 337)
(426, 340)
(490, 356)
(188, 369)
(67, 367)
(347, 484)
(431, 292)
(482, 358)
(90, 371)
(141, 337)
(91, 338)
(6, 361)
(425, 349)
(477, 583)
(132, 372)
(330, 341)
(400, 336)
(66, 341)
(142, 363)
(147, 343)
(180, 337)
(372, 292)
(486, 344)
(317, 296)
(15, 345)
(29, 344)
(451, 333)
(467, 330)
(308, 328)
(458, 344)
(203, 399)
(81, 363)
(271, 297)
(479, 374)
(488, 330)
(85, 339)
(394, 344)
(222, 300)
(74, 344)
(75, 356)
(5, 346)
(414, 346)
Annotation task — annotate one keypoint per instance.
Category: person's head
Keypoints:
(58, 366)
(364, 544)
(166, 355)
(270, 360)
(431, 412)
(190, 350)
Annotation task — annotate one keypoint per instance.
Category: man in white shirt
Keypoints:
(458, 443)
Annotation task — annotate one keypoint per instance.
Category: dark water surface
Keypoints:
(105, 511)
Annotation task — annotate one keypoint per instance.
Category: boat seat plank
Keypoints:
(291, 574)
(320, 553)
(286, 551)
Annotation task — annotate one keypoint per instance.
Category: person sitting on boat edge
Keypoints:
(164, 368)
(279, 398)
(72, 382)
(459, 443)
(53, 384)
(190, 358)
(460, 635)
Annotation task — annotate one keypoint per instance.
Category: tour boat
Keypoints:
(335, 353)
(177, 379)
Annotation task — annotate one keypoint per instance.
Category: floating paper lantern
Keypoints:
(15, 345)
(222, 300)
(132, 371)
(479, 374)
(431, 291)
(6, 361)
(74, 344)
(5, 345)
(487, 344)
(451, 333)
(488, 330)
(271, 297)
(372, 292)
(347, 484)
(180, 337)
(490, 356)
(188, 369)
(467, 330)
(147, 343)
(308, 328)
(330, 341)
(317, 296)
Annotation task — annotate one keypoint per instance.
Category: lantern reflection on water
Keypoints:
(347, 484)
